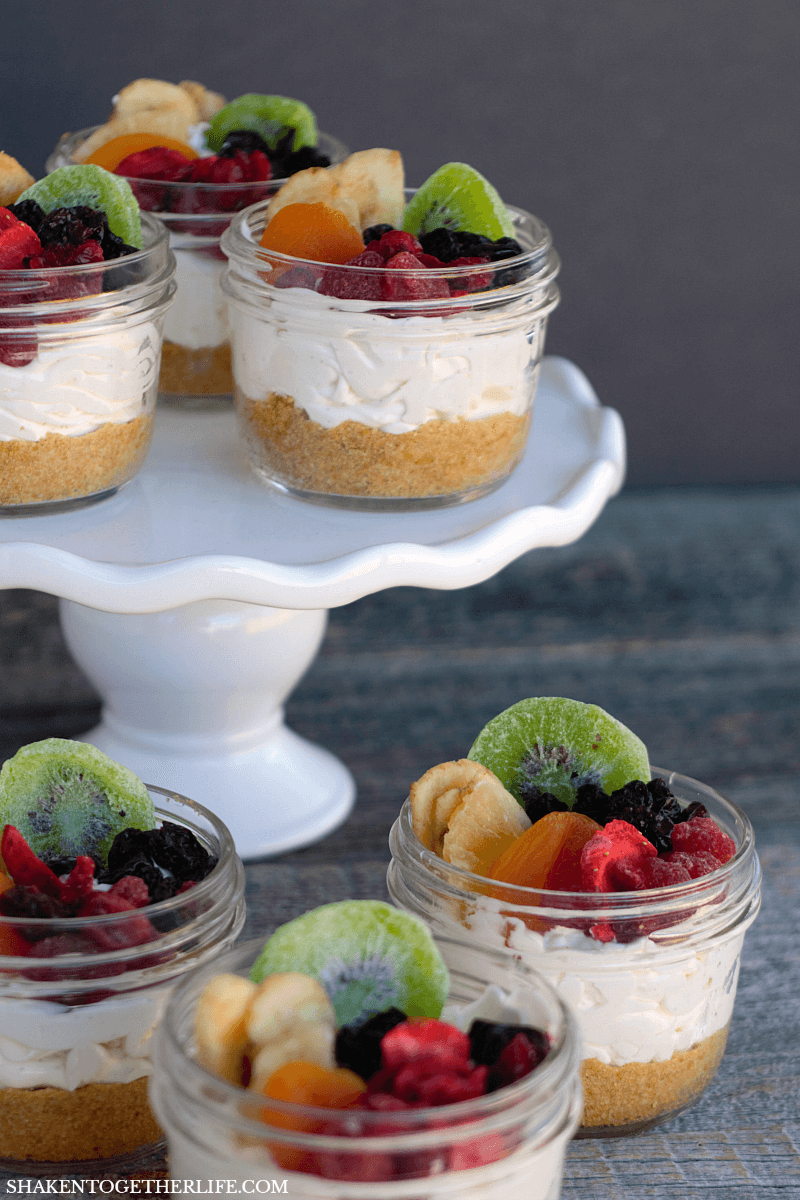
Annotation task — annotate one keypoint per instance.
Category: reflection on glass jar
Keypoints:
(349, 392)
(509, 1144)
(196, 356)
(79, 361)
(76, 1028)
(653, 1002)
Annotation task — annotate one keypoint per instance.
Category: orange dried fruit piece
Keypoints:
(317, 231)
(302, 1082)
(111, 153)
(548, 855)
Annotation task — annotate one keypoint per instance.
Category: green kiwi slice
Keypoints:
(68, 798)
(97, 189)
(367, 955)
(458, 197)
(559, 744)
(269, 116)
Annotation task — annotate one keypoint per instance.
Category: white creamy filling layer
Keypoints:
(43, 1044)
(636, 1002)
(198, 316)
(388, 374)
(79, 385)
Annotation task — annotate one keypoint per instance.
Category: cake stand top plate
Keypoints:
(197, 525)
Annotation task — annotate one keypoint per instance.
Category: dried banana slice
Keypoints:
(462, 812)
(14, 179)
(207, 103)
(220, 1025)
(315, 185)
(374, 180)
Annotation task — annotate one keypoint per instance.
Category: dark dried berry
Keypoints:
(301, 160)
(488, 1040)
(72, 226)
(243, 139)
(179, 852)
(592, 801)
(538, 803)
(21, 901)
(359, 1046)
(28, 211)
(695, 809)
(442, 243)
(375, 232)
(651, 808)
(521, 1056)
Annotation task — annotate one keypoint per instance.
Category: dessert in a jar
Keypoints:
(109, 892)
(386, 343)
(84, 288)
(196, 160)
(344, 1059)
(631, 890)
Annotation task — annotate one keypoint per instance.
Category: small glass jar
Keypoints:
(196, 357)
(653, 1003)
(79, 360)
(390, 404)
(509, 1144)
(76, 1028)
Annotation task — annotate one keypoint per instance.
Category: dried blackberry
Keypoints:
(28, 211)
(179, 852)
(358, 1046)
(695, 809)
(286, 161)
(164, 858)
(649, 807)
(375, 232)
(72, 226)
(488, 1040)
(592, 801)
(243, 139)
(21, 901)
(538, 803)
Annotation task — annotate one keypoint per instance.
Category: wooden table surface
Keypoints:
(679, 612)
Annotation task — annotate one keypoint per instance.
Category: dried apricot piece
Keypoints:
(111, 154)
(548, 855)
(318, 232)
(302, 1082)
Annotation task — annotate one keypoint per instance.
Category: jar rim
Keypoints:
(70, 142)
(560, 1063)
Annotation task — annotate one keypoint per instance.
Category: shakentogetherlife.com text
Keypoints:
(146, 1187)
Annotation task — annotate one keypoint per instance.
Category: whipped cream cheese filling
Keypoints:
(635, 1002)
(198, 316)
(389, 374)
(80, 384)
(44, 1044)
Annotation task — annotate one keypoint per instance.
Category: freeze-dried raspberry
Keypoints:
(354, 285)
(701, 863)
(396, 241)
(374, 233)
(423, 1037)
(359, 1046)
(17, 242)
(116, 935)
(133, 889)
(619, 841)
(703, 833)
(68, 255)
(398, 284)
(80, 881)
(430, 261)
(476, 281)
(659, 873)
(303, 277)
(423, 1084)
(24, 867)
(517, 1059)
(157, 162)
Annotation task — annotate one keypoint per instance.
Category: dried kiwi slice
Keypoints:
(68, 798)
(367, 955)
(97, 189)
(457, 197)
(269, 116)
(559, 744)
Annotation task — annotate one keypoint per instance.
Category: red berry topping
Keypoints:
(476, 281)
(354, 285)
(80, 881)
(134, 890)
(7, 219)
(157, 162)
(422, 1037)
(701, 863)
(24, 867)
(516, 1060)
(703, 834)
(116, 935)
(659, 873)
(303, 277)
(620, 843)
(396, 242)
(423, 1084)
(68, 256)
(397, 285)
(17, 242)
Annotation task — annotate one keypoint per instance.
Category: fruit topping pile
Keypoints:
(281, 1035)
(557, 795)
(446, 243)
(253, 139)
(80, 840)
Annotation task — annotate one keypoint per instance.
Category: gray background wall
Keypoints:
(657, 138)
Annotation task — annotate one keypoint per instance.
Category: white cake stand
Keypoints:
(196, 598)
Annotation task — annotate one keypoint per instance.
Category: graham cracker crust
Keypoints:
(641, 1092)
(440, 458)
(98, 1120)
(204, 372)
(62, 468)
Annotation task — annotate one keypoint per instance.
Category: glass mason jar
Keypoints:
(653, 1003)
(76, 1027)
(196, 358)
(386, 404)
(79, 357)
(509, 1144)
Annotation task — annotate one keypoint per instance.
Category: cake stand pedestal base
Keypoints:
(192, 701)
